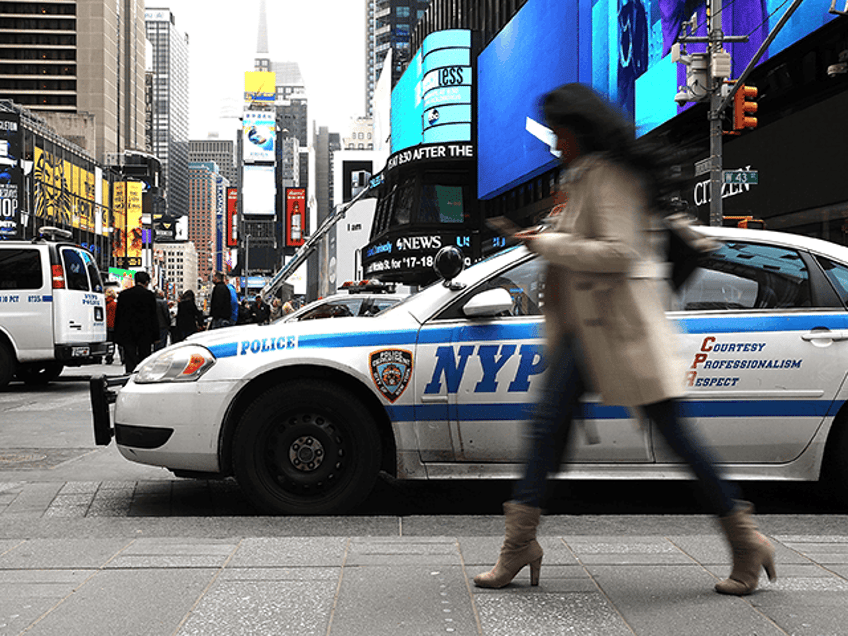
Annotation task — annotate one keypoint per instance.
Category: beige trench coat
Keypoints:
(605, 285)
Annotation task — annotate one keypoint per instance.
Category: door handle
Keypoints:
(825, 334)
(434, 399)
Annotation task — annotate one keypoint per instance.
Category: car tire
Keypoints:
(39, 374)
(307, 447)
(7, 365)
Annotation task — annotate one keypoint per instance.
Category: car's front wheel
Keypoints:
(307, 447)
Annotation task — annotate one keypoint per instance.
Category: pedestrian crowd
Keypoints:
(140, 321)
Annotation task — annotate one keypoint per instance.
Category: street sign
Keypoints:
(747, 177)
(703, 166)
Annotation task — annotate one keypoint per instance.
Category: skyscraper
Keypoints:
(388, 25)
(80, 66)
(168, 120)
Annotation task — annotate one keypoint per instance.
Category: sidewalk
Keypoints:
(375, 576)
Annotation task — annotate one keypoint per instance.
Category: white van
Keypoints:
(52, 308)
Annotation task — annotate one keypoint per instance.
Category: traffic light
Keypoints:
(743, 105)
(745, 222)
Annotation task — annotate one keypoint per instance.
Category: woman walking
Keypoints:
(607, 331)
(189, 317)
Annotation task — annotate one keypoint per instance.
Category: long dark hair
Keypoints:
(600, 127)
(187, 295)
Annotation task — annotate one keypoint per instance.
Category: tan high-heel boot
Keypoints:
(751, 551)
(519, 548)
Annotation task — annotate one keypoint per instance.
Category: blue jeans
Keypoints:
(549, 429)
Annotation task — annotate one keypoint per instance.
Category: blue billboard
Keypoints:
(432, 101)
(621, 48)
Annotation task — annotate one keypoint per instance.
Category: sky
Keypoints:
(325, 37)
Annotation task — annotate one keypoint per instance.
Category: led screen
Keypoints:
(258, 133)
(432, 101)
(621, 47)
(258, 190)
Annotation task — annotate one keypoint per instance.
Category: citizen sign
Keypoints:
(701, 193)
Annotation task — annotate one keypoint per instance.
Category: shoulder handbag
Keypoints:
(686, 247)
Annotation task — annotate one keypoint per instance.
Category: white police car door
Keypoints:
(491, 373)
(765, 342)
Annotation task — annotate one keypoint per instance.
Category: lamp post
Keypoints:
(246, 263)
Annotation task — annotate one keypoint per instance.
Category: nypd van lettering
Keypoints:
(267, 344)
(10, 299)
(91, 299)
(451, 363)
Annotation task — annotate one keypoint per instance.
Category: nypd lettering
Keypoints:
(704, 359)
(451, 363)
(391, 370)
(264, 345)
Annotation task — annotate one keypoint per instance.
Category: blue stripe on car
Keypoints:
(518, 411)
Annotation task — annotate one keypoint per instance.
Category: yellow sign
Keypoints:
(260, 86)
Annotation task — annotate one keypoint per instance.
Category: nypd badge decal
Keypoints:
(391, 370)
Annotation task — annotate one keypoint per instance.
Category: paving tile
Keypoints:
(269, 608)
(290, 552)
(33, 499)
(174, 553)
(25, 584)
(378, 551)
(659, 600)
(44, 554)
(543, 614)
(392, 600)
(79, 488)
(127, 602)
(814, 610)
(280, 574)
(69, 505)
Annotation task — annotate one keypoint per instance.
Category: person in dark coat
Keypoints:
(163, 315)
(136, 324)
(220, 305)
(189, 318)
(261, 312)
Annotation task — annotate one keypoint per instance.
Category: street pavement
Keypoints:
(76, 559)
(143, 553)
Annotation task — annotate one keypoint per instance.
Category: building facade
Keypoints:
(388, 25)
(80, 66)
(360, 136)
(202, 215)
(221, 151)
(179, 262)
(169, 102)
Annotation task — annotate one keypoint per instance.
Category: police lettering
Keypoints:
(267, 344)
(451, 363)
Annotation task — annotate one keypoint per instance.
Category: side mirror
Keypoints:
(488, 303)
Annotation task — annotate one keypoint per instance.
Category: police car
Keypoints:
(365, 298)
(52, 308)
(305, 414)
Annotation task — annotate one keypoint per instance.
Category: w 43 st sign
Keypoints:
(749, 177)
